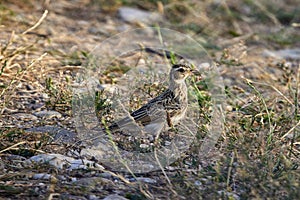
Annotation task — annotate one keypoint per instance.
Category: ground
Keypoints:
(255, 45)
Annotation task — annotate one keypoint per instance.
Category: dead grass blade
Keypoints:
(38, 23)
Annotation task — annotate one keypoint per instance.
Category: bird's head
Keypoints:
(180, 72)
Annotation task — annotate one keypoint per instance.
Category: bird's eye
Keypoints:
(181, 70)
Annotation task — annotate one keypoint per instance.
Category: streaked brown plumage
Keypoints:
(165, 110)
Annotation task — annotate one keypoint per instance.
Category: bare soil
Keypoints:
(259, 148)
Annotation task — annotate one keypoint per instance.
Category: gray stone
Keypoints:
(41, 176)
(48, 114)
(144, 179)
(63, 162)
(25, 117)
(134, 15)
(93, 197)
(284, 54)
(114, 197)
(44, 96)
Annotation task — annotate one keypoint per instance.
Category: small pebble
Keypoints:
(47, 114)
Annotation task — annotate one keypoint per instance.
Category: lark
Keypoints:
(162, 112)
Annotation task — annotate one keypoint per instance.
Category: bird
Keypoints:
(162, 112)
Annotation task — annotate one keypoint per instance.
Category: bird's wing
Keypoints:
(149, 113)
(154, 110)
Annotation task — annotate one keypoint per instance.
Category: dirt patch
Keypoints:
(259, 148)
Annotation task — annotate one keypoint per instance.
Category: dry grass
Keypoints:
(259, 149)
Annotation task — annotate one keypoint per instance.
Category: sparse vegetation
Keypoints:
(258, 152)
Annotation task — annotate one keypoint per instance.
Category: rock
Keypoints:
(114, 197)
(61, 177)
(36, 106)
(105, 175)
(25, 117)
(41, 176)
(93, 197)
(198, 183)
(284, 54)
(143, 179)
(134, 15)
(63, 162)
(44, 96)
(48, 114)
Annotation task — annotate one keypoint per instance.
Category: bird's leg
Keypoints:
(169, 120)
(156, 140)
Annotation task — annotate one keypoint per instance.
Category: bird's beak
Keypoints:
(195, 72)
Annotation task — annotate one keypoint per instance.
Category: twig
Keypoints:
(38, 23)
(164, 172)
(117, 175)
(13, 146)
(22, 74)
(291, 130)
